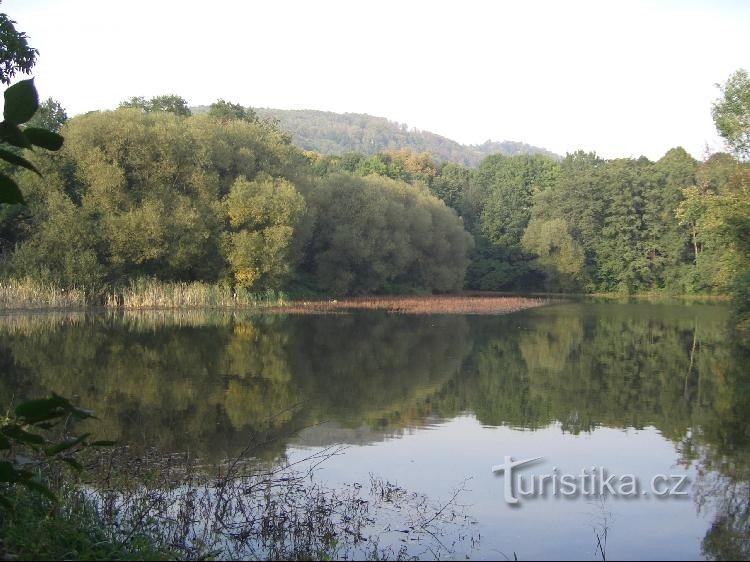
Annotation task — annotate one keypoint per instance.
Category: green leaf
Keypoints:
(21, 102)
(9, 192)
(43, 138)
(8, 156)
(65, 445)
(45, 409)
(11, 134)
(34, 411)
(16, 433)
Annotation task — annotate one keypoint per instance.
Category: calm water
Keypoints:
(431, 402)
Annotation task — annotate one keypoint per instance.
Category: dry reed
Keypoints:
(152, 294)
(452, 304)
(27, 294)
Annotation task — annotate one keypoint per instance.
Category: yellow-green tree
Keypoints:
(262, 215)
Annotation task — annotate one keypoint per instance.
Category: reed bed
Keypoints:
(150, 294)
(27, 294)
(453, 304)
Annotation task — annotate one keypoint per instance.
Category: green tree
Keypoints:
(669, 241)
(561, 257)
(731, 113)
(263, 215)
(228, 111)
(169, 103)
(450, 184)
(375, 234)
(51, 115)
(15, 53)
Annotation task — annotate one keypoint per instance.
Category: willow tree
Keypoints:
(375, 234)
(262, 215)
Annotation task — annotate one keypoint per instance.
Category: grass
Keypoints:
(444, 304)
(35, 529)
(152, 294)
(27, 294)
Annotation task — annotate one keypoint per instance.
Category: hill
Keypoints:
(336, 133)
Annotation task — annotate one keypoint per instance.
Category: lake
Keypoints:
(657, 393)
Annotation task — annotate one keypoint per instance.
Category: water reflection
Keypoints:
(204, 382)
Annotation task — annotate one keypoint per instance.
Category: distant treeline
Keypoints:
(152, 191)
(332, 133)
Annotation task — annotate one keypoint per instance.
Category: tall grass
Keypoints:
(151, 294)
(27, 294)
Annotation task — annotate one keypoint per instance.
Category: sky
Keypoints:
(623, 79)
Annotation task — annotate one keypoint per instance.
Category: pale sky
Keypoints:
(621, 78)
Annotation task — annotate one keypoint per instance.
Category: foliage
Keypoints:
(375, 234)
(262, 216)
(153, 294)
(337, 134)
(21, 103)
(15, 53)
(51, 115)
(560, 256)
(731, 113)
(74, 530)
(28, 294)
(169, 103)
(228, 111)
(28, 444)
(149, 191)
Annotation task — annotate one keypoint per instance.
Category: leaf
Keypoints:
(43, 138)
(21, 102)
(65, 445)
(34, 411)
(45, 409)
(16, 433)
(11, 134)
(9, 192)
(8, 156)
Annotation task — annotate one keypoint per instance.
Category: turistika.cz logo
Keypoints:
(593, 482)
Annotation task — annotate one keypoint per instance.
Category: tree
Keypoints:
(51, 116)
(374, 234)
(15, 53)
(263, 215)
(731, 113)
(228, 111)
(561, 257)
(169, 103)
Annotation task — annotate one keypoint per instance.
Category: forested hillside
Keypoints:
(338, 133)
(152, 191)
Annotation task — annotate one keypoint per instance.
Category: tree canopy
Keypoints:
(16, 55)
(731, 113)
